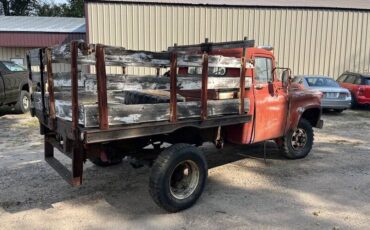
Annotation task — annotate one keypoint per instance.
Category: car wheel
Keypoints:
(24, 103)
(178, 177)
(338, 110)
(298, 142)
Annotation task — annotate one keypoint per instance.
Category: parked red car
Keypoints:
(359, 85)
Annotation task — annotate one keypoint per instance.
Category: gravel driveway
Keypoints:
(330, 189)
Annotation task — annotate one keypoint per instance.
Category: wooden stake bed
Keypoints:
(78, 110)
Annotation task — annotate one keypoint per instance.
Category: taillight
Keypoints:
(361, 91)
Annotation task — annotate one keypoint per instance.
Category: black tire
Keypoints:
(24, 102)
(338, 110)
(178, 164)
(99, 162)
(293, 149)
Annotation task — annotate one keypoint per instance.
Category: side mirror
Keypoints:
(285, 77)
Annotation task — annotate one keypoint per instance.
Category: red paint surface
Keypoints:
(361, 93)
(25, 39)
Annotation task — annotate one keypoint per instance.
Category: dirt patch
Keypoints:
(327, 190)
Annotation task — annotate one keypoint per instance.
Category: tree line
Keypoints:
(73, 8)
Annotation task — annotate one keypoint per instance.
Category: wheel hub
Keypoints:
(184, 179)
(299, 139)
(25, 102)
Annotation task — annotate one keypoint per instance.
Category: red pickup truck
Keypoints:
(226, 92)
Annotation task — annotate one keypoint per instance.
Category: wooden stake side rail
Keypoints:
(81, 53)
(209, 47)
(136, 120)
(88, 82)
(93, 135)
(117, 56)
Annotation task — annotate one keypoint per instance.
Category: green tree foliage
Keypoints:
(73, 8)
(18, 7)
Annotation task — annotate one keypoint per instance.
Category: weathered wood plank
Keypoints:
(62, 53)
(213, 61)
(209, 46)
(138, 113)
(118, 56)
(133, 114)
(130, 82)
(153, 82)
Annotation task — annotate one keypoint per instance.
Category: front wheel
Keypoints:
(298, 142)
(24, 103)
(178, 177)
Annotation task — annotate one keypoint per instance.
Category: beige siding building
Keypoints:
(321, 38)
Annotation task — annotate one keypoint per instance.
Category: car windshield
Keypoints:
(12, 67)
(321, 82)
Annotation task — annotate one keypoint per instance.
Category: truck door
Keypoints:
(11, 80)
(270, 100)
(2, 95)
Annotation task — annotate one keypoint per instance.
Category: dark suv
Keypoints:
(14, 86)
(359, 86)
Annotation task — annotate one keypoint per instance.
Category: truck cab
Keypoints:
(277, 108)
(14, 86)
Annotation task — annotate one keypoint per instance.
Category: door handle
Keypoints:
(258, 87)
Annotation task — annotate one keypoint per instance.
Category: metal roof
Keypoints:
(336, 4)
(42, 24)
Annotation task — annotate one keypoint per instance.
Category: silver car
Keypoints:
(334, 96)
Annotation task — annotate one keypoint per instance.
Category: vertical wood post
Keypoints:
(101, 78)
(242, 80)
(158, 71)
(77, 150)
(48, 148)
(204, 93)
(50, 88)
(74, 84)
(42, 71)
(29, 68)
(77, 164)
(173, 86)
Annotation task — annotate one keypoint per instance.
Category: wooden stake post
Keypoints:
(101, 78)
(173, 85)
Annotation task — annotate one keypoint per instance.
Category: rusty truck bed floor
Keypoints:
(330, 188)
